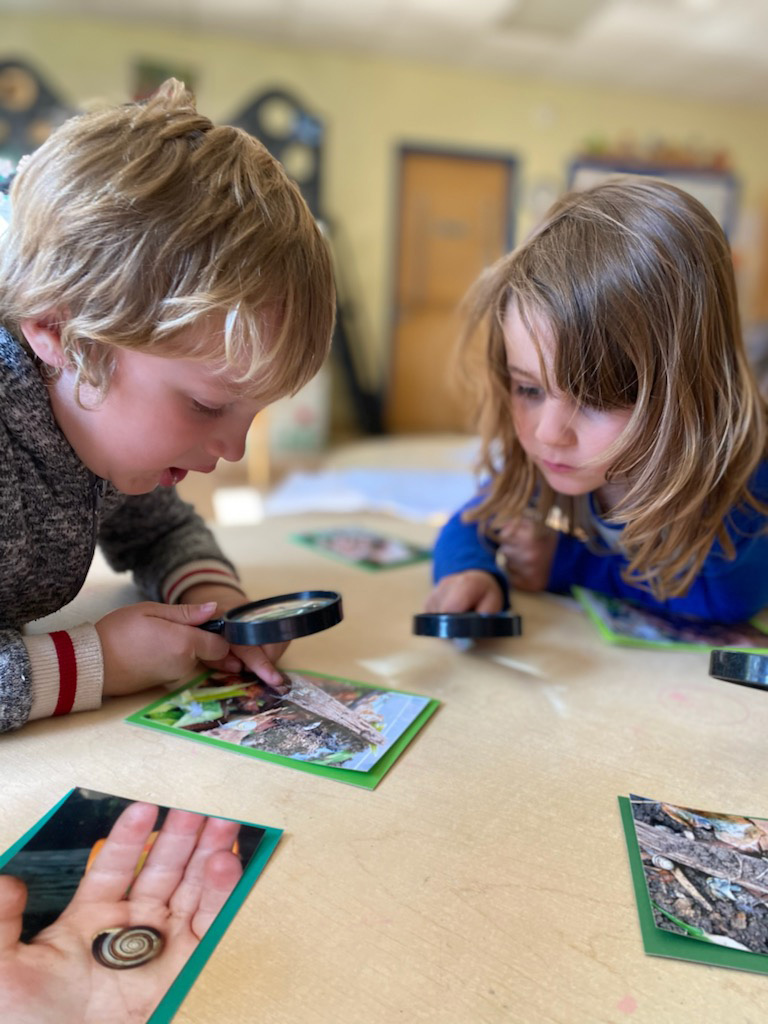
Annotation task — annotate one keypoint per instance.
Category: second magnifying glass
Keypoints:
(277, 619)
(467, 625)
(747, 668)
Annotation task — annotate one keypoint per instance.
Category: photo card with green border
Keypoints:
(338, 728)
(621, 622)
(54, 858)
(363, 548)
(665, 933)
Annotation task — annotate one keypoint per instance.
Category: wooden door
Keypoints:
(454, 216)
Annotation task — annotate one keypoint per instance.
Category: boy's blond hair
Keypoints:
(634, 280)
(132, 223)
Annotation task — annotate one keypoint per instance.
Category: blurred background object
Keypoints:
(428, 136)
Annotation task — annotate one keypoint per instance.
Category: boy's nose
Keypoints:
(229, 445)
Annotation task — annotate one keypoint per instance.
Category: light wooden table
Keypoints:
(486, 879)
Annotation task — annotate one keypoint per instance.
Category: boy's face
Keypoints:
(566, 442)
(161, 418)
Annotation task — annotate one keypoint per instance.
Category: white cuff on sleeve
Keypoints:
(67, 671)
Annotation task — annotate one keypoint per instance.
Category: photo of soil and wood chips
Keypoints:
(703, 877)
(327, 725)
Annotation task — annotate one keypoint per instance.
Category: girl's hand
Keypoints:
(528, 549)
(472, 591)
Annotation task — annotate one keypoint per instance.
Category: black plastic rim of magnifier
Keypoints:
(459, 625)
(275, 631)
(744, 667)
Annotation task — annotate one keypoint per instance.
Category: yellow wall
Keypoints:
(371, 105)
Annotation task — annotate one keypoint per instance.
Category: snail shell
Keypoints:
(121, 948)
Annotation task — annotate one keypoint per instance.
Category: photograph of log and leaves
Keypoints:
(706, 873)
(336, 727)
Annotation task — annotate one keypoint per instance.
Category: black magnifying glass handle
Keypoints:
(213, 625)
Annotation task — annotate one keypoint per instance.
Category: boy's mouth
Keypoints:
(172, 476)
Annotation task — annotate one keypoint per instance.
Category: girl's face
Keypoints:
(566, 442)
(161, 418)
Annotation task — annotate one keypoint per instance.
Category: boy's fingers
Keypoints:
(255, 659)
(208, 646)
(186, 614)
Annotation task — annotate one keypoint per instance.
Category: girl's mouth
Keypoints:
(557, 467)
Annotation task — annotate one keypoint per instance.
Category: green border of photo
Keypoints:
(612, 637)
(367, 780)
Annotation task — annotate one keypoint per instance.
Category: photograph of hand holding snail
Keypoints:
(104, 885)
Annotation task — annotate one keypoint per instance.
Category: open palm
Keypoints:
(187, 877)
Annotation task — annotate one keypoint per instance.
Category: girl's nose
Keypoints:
(555, 424)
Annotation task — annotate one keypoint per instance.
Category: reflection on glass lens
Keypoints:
(280, 611)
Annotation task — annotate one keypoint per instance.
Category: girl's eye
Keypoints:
(206, 410)
(526, 391)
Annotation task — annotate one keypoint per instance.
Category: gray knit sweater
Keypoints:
(53, 512)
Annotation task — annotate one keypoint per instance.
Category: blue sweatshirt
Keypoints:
(724, 591)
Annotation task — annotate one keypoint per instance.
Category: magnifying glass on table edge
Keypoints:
(467, 625)
(277, 619)
(747, 668)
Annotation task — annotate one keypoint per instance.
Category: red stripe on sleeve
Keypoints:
(65, 652)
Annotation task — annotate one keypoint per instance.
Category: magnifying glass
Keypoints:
(278, 619)
(467, 625)
(748, 668)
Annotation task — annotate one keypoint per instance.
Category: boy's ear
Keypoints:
(44, 337)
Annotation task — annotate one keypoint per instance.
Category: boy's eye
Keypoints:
(206, 410)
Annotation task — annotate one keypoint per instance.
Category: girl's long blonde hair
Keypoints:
(634, 279)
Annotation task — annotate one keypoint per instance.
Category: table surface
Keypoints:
(486, 878)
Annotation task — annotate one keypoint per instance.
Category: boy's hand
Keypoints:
(260, 660)
(472, 591)
(528, 548)
(150, 643)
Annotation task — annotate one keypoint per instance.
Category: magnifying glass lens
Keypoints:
(279, 619)
(279, 610)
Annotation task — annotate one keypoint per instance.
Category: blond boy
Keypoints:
(161, 281)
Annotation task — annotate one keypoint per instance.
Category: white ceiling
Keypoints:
(713, 49)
